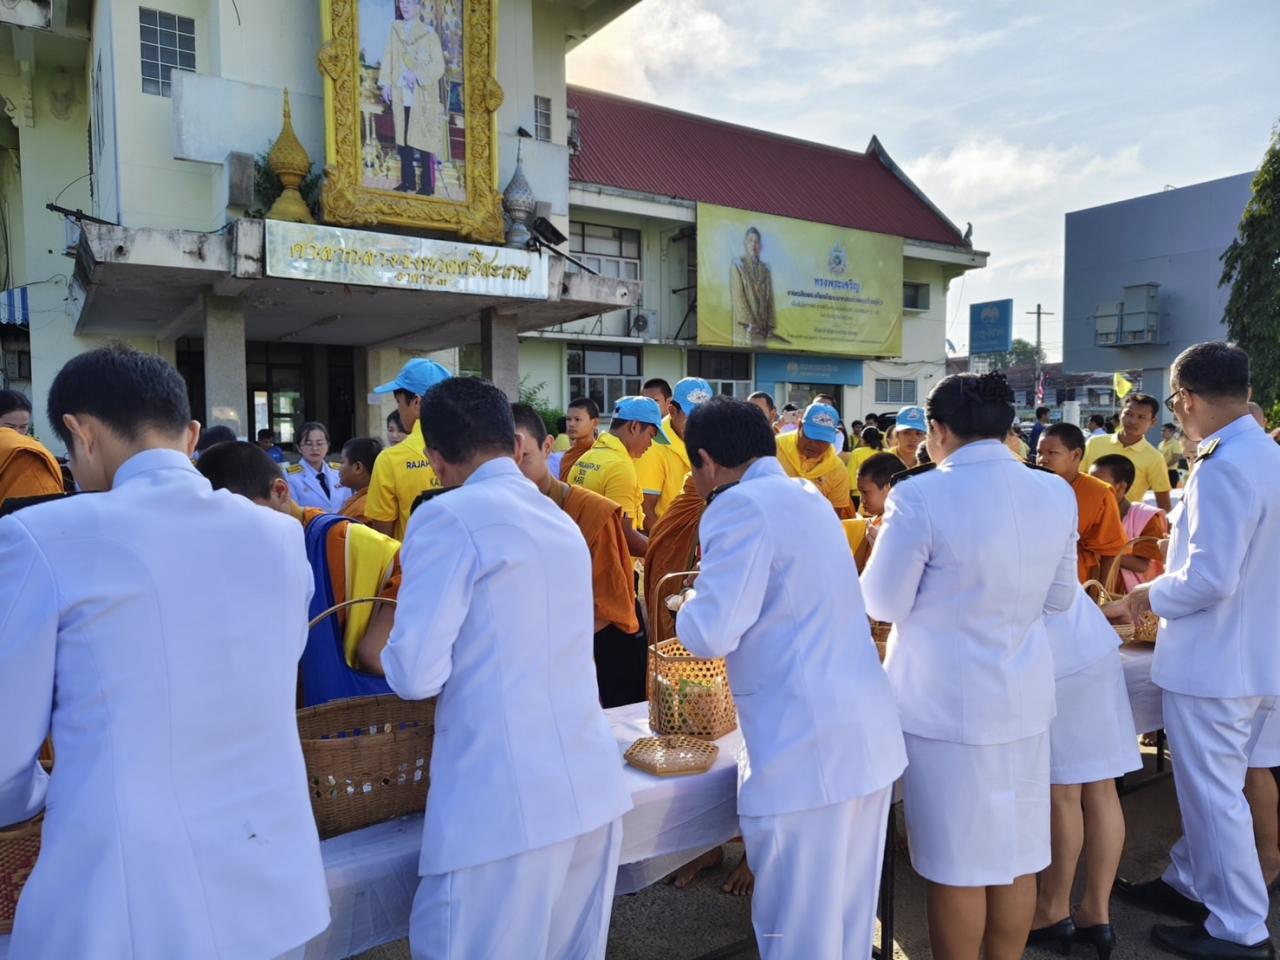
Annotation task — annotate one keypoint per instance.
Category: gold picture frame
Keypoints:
(360, 104)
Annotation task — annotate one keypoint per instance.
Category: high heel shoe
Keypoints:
(1057, 936)
(1101, 937)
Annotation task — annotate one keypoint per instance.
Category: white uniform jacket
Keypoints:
(969, 559)
(1080, 636)
(1218, 599)
(778, 598)
(157, 629)
(304, 487)
(496, 617)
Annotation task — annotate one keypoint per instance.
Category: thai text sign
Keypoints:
(781, 284)
(990, 327)
(301, 251)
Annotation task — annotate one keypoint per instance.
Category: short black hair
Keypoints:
(394, 417)
(126, 389)
(872, 438)
(1068, 434)
(1097, 420)
(1042, 412)
(527, 419)
(871, 418)
(1169, 426)
(922, 453)
(241, 467)
(1146, 400)
(587, 404)
(1216, 370)
(311, 426)
(1118, 466)
(11, 400)
(266, 433)
(789, 408)
(731, 431)
(211, 436)
(399, 392)
(972, 406)
(466, 416)
(362, 450)
(766, 397)
(657, 383)
(881, 468)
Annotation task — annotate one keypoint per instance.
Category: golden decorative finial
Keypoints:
(288, 160)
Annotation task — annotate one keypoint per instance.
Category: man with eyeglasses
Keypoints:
(1138, 416)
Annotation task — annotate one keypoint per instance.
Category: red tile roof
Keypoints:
(637, 146)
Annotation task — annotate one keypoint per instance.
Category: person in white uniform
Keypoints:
(1217, 659)
(1092, 741)
(174, 826)
(970, 557)
(777, 596)
(314, 481)
(496, 618)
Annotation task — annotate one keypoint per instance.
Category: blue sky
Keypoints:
(1007, 115)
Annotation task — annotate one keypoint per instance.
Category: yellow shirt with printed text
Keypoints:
(1149, 467)
(856, 459)
(400, 475)
(663, 468)
(608, 469)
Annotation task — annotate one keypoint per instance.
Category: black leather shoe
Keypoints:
(1158, 897)
(1100, 936)
(1057, 936)
(1196, 943)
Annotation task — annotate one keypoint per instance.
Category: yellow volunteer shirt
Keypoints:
(1149, 467)
(400, 475)
(856, 459)
(662, 469)
(607, 469)
(1171, 450)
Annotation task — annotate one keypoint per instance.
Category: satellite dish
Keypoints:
(951, 346)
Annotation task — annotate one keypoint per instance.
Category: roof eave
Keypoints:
(876, 149)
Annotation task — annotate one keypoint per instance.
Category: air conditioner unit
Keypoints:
(642, 323)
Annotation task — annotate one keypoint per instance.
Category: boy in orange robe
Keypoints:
(580, 424)
(1146, 561)
(1102, 535)
(27, 469)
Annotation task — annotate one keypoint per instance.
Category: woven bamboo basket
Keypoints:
(1148, 627)
(1098, 593)
(368, 759)
(19, 848)
(880, 634)
(689, 695)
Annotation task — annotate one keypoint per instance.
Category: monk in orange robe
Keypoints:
(1102, 536)
(580, 424)
(27, 469)
(673, 546)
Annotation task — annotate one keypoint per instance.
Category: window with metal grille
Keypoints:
(729, 374)
(168, 44)
(895, 391)
(604, 373)
(542, 118)
(915, 296)
(609, 251)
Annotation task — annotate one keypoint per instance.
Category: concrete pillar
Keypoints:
(381, 364)
(500, 351)
(168, 349)
(225, 377)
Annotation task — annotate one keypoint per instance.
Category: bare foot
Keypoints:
(689, 872)
(742, 881)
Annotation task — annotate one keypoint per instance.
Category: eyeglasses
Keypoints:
(1169, 400)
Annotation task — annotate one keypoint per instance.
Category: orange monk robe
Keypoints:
(336, 559)
(354, 508)
(613, 582)
(1157, 528)
(1101, 529)
(27, 469)
(572, 455)
(673, 547)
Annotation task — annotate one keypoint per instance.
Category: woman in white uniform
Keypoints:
(314, 482)
(970, 558)
(1091, 742)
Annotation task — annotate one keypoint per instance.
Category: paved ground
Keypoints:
(701, 923)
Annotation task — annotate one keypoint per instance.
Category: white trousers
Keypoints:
(1216, 861)
(818, 878)
(297, 953)
(547, 904)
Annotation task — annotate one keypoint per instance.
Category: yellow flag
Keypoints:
(1123, 386)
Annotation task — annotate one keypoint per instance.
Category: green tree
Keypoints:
(1251, 267)
(1022, 354)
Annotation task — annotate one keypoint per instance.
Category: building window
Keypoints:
(915, 296)
(895, 391)
(168, 44)
(609, 251)
(604, 374)
(542, 118)
(728, 373)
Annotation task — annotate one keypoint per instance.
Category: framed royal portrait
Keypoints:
(410, 97)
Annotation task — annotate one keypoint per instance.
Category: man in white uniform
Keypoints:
(1217, 660)
(523, 829)
(177, 820)
(778, 597)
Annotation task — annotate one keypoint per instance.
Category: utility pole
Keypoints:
(1039, 313)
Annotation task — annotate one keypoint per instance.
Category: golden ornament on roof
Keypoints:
(288, 160)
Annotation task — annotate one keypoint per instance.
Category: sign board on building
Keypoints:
(781, 284)
(787, 368)
(304, 251)
(990, 327)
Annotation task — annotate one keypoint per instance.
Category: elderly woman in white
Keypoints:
(970, 557)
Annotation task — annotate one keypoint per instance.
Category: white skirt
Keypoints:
(1092, 737)
(977, 815)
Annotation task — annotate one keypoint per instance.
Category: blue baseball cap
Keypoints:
(911, 418)
(690, 392)
(820, 423)
(642, 410)
(417, 376)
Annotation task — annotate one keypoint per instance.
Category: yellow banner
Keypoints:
(781, 284)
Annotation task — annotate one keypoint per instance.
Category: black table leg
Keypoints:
(1160, 748)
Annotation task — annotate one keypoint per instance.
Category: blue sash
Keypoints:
(325, 674)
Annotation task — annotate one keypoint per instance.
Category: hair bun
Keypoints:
(993, 387)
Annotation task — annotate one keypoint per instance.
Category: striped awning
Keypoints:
(14, 307)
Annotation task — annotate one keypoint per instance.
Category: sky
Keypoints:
(1007, 115)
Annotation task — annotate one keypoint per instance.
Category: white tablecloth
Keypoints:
(1144, 695)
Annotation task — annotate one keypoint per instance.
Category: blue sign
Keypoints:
(990, 327)
(794, 368)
